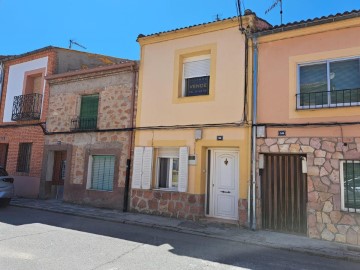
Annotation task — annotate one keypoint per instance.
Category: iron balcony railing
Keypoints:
(328, 99)
(83, 123)
(27, 107)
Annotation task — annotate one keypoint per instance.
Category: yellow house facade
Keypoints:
(193, 124)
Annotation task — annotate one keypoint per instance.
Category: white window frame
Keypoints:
(193, 59)
(327, 62)
(342, 187)
(170, 156)
(89, 174)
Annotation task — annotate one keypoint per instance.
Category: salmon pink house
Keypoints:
(308, 129)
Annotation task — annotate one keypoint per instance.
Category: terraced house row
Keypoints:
(233, 120)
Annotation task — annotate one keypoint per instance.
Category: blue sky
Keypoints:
(111, 26)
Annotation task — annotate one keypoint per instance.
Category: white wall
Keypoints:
(16, 82)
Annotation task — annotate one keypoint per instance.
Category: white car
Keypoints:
(6, 187)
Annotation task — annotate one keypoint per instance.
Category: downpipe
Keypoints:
(254, 118)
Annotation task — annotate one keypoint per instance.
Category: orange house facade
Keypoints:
(308, 129)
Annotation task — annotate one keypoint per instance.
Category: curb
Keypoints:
(354, 257)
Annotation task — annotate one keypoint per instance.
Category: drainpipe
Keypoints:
(128, 161)
(254, 120)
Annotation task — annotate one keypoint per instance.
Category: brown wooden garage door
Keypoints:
(284, 194)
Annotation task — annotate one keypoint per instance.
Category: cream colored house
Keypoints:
(192, 143)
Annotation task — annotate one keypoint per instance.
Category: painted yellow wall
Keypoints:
(279, 56)
(158, 75)
(160, 104)
(234, 138)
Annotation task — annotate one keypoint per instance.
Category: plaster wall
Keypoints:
(277, 83)
(158, 72)
(16, 80)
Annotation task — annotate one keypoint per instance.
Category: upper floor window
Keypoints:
(332, 83)
(196, 76)
(87, 119)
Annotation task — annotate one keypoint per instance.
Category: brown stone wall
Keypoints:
(83, 145)
(115, 101)
(325, 218)
(168, 203)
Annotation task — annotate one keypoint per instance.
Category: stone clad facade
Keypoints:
(325, 219)
(115, 87)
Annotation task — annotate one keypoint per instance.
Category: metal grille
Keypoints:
(351, 184)
(84, 123)
(27, 107)
(328, 99)
(284, 194)
(24, 156)
(102, 173)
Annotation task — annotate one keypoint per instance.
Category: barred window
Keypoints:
(350, 185)
(102, 172)
(24, 156)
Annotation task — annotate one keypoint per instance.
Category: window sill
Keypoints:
(166, 189)
(350, 210)
(91, 189)
(190, 99)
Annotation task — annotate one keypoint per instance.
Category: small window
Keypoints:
(334, 83)
(196, 76)
(88, 113)
(168, 168)
(24, 155)
(102, 172)
(350, 184)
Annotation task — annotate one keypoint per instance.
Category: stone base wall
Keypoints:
(177, 205)
(325, 219)
(243, 212)
(168, 203)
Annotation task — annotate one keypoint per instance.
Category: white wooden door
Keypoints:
(225, 186)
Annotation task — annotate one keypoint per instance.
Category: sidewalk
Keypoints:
(215, 230)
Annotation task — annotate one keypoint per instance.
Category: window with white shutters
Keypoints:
(171, 168)
(102, 172)
(196, 76)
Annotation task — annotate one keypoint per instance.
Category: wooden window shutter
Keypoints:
(183, 169)
(147, 168)
(137, 167)
(102, 176)
(89, 106)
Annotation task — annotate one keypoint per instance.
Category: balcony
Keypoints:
(27, 107)
(328, 99)
(83, 123)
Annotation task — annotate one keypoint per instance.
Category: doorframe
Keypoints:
(210, 176)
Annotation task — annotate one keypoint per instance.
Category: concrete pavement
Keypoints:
(215, 230)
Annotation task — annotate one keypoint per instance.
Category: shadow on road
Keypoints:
(204, 248)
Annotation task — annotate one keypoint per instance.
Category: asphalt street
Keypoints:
(34, 239)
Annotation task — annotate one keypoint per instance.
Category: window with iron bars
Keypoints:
(24, 156)
(350, 185)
